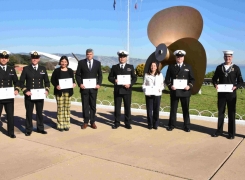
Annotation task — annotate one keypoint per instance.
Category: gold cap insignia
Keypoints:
(4, 53)
(35, 53)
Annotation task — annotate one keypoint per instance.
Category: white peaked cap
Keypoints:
(228, 52)
(179, 53)
(122, 52)
(1, 51)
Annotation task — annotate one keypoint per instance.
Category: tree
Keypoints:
(140, 70)
(209, 74)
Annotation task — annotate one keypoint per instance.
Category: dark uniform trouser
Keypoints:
(29, 105)
(9, 109)
(185, 101)
(153, 105)
(230, 100)
(89, 107)
(127, 108)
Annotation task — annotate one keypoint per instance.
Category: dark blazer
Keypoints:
(128, 70)
(234, 77)
(31, 79)
(185, 72)
(9, 78)
(83, 72)
(55, 81)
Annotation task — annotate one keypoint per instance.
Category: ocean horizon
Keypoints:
(210, 68)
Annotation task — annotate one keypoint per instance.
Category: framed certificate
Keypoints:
(89, 83)
(7, 93)
(225, 88)
(38, 94)
(180, 83)
(123, 79)
(151, 90)
(66, 83)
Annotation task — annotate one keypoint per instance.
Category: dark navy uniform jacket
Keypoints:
(34, 79)
(128, 70)
(9, 78)
(185, 72)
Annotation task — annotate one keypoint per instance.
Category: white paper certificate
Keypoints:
(180, 83)
(123, 79)
(66, 83)
(225, 88)
(38, 94)
(151, 90)
(89, 83)
(7, 93)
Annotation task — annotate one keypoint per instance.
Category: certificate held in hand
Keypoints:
(151, 90)
(180, 83)
(7, 93)
(38, 94)
(225, 88)
(89, 83)
(66, 83)
(123, 79)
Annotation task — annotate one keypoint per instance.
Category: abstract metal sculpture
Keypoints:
(175, 28)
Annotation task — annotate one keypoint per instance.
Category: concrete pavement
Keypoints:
(106, 153)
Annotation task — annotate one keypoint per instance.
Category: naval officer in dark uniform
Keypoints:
(34, 76)
(179, 70)
(122, 92)
(227, 73)
(8, 78)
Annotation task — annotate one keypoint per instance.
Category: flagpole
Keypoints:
(128, 31)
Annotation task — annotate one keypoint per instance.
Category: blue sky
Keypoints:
(74, 25)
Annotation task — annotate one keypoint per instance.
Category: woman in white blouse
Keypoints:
(152, 87)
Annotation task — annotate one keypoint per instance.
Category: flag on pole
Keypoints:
(114, 5)
(136, 6)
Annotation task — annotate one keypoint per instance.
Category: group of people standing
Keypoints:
(35, 76)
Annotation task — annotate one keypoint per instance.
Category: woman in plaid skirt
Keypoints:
(60, 79)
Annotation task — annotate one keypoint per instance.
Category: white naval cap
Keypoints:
(122, 53)
(34, 54)
(179, 53)
(228, 52)
(4, 53)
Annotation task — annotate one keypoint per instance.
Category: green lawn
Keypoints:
(205, 101)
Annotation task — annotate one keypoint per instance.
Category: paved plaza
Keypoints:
(106, 153)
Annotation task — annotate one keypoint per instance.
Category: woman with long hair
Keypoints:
(152, 87)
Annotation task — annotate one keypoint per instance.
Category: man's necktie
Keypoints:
(89, 65)
(122, 67)
(35, 68)
(4, 68)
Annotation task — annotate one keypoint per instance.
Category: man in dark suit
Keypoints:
(34, 76)
(122, 91)
(89, 68)
(182, 71)
(227, 73)
(8, 77)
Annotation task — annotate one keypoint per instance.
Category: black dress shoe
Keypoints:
(114, 126)
(66, 129)
(215, 134)
(169, 129)
(28, 133)
(155, 127)
(230, 137)
(12, 136)
(128, 126)
(42, 132)
(187, 129)
(149, 127)
(61, 130)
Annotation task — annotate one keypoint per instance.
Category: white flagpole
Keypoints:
(128, 32)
